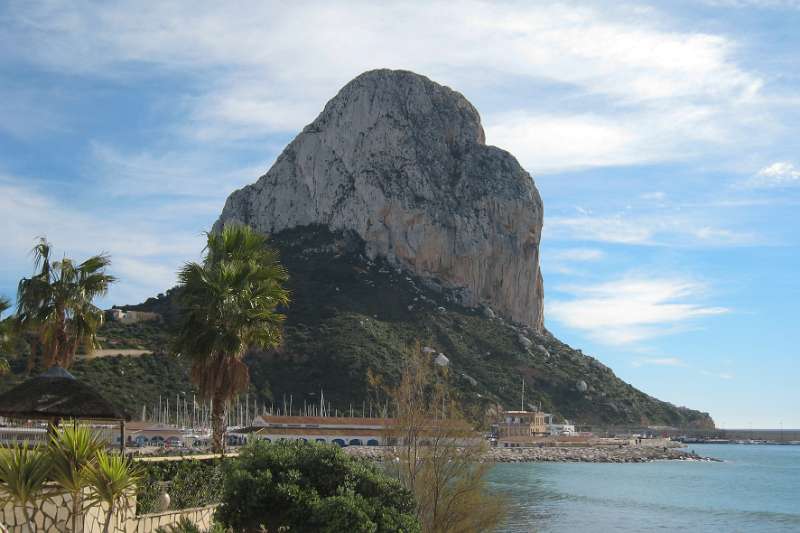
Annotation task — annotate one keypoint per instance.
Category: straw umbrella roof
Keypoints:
(57, 394)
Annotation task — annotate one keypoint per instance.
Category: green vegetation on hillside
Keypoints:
(350, 314)
(131, 382)
(153, 336)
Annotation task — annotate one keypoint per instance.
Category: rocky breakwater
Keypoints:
(555, 454)
(595, 454)
(401, 161)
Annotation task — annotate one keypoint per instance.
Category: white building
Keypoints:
(566, 429)
(343, 431)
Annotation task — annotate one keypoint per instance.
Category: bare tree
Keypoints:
(436, 453)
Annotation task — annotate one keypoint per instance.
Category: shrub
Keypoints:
(186, 526)
(311, 487)
(190, 483)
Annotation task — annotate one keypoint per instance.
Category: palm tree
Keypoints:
(55, 305)
(111, 478)
(230, 305)
(73, 451)
(23, 476)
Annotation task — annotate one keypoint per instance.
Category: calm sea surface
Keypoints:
(756, 488)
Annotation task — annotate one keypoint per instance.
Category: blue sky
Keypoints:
(663, 138)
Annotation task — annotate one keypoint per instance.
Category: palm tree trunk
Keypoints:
(108, 519)
(218, 426)
(34, 356)
(76, 510)
(29, 517)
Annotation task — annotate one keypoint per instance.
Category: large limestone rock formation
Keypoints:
(402, 162)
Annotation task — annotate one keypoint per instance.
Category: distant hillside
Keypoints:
(349, 314)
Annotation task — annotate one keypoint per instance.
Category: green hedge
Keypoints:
(311, 487)
(189, 483)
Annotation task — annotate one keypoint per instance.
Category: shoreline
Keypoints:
(556, 454)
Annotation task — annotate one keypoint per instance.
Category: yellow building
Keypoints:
(522, 424)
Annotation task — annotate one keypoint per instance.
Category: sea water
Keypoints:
(755, 488)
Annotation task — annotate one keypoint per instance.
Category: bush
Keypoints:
(186, 526)
(191, 483)
(312, 487)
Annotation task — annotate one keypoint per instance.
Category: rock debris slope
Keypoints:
(402, 162)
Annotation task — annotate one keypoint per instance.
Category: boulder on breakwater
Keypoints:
(593, 454)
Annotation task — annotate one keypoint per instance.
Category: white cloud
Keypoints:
(565, 261)
(658, 361)
(759, 4)
(27, 112)
(191, 173)
(145, 256)
(549, 143)
(638, 133)
(631, 309)
(613, 229)
(720, 375)
(262, 67)
(663, 228)
(578, 254)
(776, 175)
(657, 196)
(247, 110)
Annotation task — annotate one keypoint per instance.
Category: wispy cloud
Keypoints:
(618, 229)
(187, 173)
(720, 375)
(578, 254)
(144, 255)
(761, 4)
(663, 228)
(567, 261)
(631, 309)
(257, 68)
(27, 112)
(656, 196)
(658, 361)
(776, 175)
(677, 362)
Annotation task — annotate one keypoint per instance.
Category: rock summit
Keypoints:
(402, 162)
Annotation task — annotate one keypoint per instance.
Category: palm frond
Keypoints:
(56, 302)
(41, 256)
(23, 473)
(110, 478)
(73, 450)
(230, 304)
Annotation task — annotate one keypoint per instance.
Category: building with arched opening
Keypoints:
(342, 431)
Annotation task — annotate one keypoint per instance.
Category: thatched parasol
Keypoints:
(54, 395)
(57, 394)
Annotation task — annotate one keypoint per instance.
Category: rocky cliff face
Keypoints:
(402, 162)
